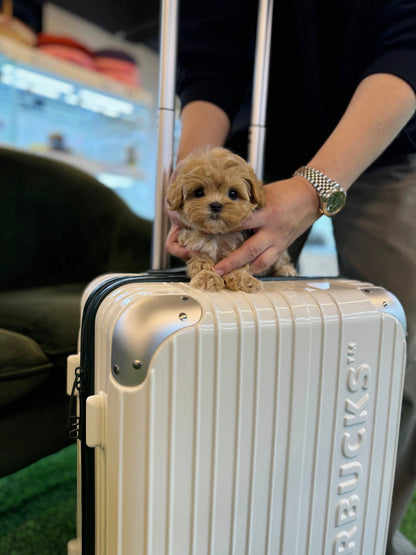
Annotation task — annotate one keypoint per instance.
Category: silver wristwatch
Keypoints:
(332, 196)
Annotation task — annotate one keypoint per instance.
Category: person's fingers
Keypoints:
(172, 245)
(254, 221)
(265, 260)
(179, 252)
(172, 215)
(257, 251)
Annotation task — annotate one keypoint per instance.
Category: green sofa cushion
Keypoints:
(23, 366)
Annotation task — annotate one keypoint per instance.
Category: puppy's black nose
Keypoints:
(216, 207)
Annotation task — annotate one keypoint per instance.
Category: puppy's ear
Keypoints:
(174, 196)
(256, 190)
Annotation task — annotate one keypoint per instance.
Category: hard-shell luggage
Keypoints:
(230, 423)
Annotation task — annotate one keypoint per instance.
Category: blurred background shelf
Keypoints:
(58, 109)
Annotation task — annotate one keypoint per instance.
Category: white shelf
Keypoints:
(35, 58)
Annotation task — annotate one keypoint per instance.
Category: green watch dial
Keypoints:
(334, 203)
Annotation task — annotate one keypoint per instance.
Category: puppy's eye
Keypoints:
(199, 193)
(232, 193)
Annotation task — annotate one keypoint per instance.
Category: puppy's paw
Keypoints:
(241, 280)
(286, 270)
(283, 267)
(207, 280)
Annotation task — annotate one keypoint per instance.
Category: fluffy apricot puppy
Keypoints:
(213, 192)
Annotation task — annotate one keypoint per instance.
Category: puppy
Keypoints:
(212, 193)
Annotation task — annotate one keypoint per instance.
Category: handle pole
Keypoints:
(166, 127)
(260, 86)
(166, 114)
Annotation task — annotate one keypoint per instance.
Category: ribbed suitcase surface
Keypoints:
(229, 423)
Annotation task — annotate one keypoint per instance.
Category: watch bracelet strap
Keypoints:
(321, 182)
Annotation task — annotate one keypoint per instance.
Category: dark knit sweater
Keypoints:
(321, 49)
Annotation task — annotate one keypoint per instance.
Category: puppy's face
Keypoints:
(214, 191)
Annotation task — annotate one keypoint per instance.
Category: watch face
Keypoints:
(334, 203)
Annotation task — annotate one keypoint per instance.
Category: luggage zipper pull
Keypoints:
(74, 369)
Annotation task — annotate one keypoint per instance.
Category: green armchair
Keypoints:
(59, 228)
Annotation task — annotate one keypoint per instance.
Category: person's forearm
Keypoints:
(203, 124)
(379, 109)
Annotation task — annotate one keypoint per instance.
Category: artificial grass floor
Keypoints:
(38, 505)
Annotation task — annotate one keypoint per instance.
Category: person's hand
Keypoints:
(172, 245)
(292, 206)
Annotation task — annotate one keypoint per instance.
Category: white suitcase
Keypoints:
(228, 423)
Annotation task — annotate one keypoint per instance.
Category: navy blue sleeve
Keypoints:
(395, 48)
(215, 41)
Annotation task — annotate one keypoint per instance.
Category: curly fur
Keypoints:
(213, 192)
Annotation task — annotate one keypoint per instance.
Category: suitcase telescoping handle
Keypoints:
(166, 114)
(166, 128)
